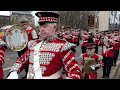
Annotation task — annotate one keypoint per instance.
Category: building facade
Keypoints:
(107, 20)
(16, 17)
(4, 20)
(114, 20)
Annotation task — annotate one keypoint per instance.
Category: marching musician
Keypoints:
(48, 56)
(108, 56)
(75, 38)
(107, 37)
(86, 57)
(60, 34)
(67, 35)
(97, 41)
(116, 46)
(3, 48)
(32, 35)
(84, 43)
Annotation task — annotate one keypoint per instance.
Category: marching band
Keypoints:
(54, 51)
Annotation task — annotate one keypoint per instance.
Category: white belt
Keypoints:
(53, 76)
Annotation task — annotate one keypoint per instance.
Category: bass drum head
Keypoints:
(16, 38)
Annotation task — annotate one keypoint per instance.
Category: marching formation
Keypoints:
(50, 53)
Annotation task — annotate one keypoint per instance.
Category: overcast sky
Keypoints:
(7, 13)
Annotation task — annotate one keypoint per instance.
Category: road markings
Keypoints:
(6, 68)
(77, 57)
(7, 60)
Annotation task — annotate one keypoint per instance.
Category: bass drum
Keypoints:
(16, 38)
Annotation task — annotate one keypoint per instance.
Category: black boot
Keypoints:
(104, 76)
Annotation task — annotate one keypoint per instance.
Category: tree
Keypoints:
(75, 19)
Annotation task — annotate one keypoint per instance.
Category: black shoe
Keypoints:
(24, 77)
(107, 78)
(103, 76)
(114, 65)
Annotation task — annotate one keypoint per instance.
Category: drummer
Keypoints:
(32, 35)
(84, 58)
(3, 48)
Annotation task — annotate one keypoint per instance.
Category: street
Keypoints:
(11, 57)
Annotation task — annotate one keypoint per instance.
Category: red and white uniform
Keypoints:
(119, 38)
(68, 37)
(106, 39)
(107, 52)
(84, 59)
(97, 39)
(116, 45)
(85, 40)
(2, 57)
(60, 34)
(75, 37)
(31, 33)
(54, 55)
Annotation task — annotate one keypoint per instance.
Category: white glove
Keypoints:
(92, 67)
(98, 65)
(13, 75)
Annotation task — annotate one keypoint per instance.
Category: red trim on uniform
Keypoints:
(109, 53)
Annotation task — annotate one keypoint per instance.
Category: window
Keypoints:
(112, 12)
(119, 17)
(115, 13)
(109, 21)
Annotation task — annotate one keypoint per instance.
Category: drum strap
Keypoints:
(36, 64)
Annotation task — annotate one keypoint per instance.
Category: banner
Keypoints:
(91, 21)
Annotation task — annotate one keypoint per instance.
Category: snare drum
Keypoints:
(16, 38)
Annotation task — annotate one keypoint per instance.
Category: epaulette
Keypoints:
(67, 46)
(32, 43)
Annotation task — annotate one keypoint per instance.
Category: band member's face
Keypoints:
(90, 51)
(67, 32)
(107, 45)
(25, 25)
(116, 33)
(106, 34)
(47, 30)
